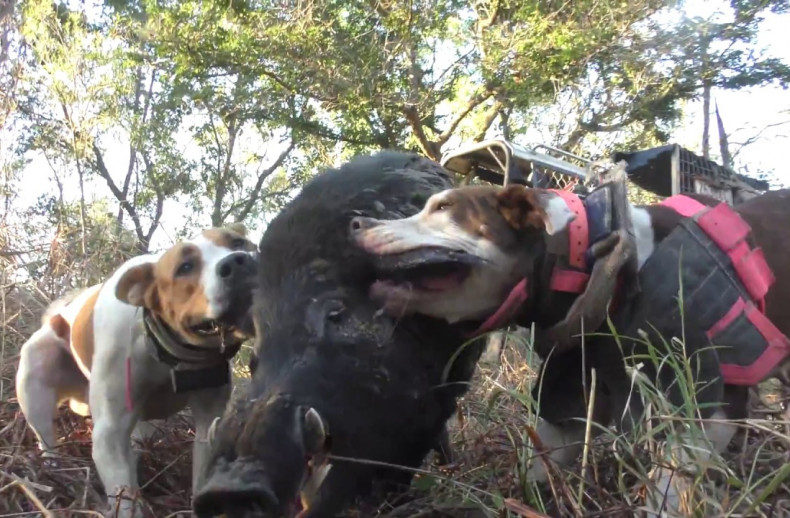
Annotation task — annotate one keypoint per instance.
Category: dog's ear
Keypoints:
(525, 208)
(136, 287)
(238, 227)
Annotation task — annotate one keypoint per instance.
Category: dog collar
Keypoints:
(191, 367)
(594, 220)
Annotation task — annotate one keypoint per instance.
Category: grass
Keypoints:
(491, 440)
(493, 447)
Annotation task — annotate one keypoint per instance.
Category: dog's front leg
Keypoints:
(685, 456)
(206, 405)
(112, 454)
(561, 444)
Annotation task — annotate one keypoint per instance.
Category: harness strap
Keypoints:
(569, 281)
(729, 231)
(506, 311)
(778, 345)
(564, 280)
(573, 281)
(578, 233)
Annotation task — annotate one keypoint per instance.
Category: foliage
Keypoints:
(196, 113)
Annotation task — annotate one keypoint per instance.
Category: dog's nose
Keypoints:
(360, 224)
(234, 265)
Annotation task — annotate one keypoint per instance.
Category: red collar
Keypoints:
(565, 280)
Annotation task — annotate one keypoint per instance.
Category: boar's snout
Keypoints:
(271, 466)
(240, 491)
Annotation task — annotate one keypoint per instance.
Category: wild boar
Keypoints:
(332, 375)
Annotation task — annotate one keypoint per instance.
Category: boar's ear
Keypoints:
(136, 287)
(523, 208)
(313, 432)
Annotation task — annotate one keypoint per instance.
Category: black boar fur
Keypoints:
(377, 382)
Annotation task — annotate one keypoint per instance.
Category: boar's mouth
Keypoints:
(224, 496)
(239, 490)
(430, 268)
(244, 487)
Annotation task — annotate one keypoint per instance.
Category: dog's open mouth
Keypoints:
(432, 269)
(211, 327)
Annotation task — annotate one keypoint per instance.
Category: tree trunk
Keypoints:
(706, 120)
(724, 145)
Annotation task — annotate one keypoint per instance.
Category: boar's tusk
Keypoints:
(310, 490)
(212, 430)
(313, 432)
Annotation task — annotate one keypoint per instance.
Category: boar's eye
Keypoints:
(320, 311)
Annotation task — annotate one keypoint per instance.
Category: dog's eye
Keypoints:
(238, 244)
(443, 205)
(185, 268)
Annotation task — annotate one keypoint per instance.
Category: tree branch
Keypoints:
(223, 175)
(430, 149)
(256, 191)
(160, 202)
(491, 115)
(473, 103)
(132, 149)
(101, 168)
(504, 117)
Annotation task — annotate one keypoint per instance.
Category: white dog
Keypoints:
(156, 336)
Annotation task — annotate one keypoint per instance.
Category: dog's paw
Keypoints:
(127, 503)
(537, 471)
(50, 459)
(669, 494)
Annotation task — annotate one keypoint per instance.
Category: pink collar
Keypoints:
(506, 311)
(573, 281)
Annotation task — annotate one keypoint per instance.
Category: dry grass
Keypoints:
(493, 451)
(491, 446)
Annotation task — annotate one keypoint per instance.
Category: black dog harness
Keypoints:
(191, 367)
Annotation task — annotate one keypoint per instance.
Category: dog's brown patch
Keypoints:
(174, 294)
(181, 297)
(521, 208)
(61, 328)
(82, 334)
(232, 237)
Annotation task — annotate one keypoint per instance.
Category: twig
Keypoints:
(170, 465)
(34, 499)
(587, 433)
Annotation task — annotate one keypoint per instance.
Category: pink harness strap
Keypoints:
(578, 234)
(777, 350)
(128, 384)
(573, 281)
(569, 281)
(683, 205)
(729, 231)
(506, 311)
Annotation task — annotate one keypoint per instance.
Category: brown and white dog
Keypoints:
(460, 257)
(93, 350)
